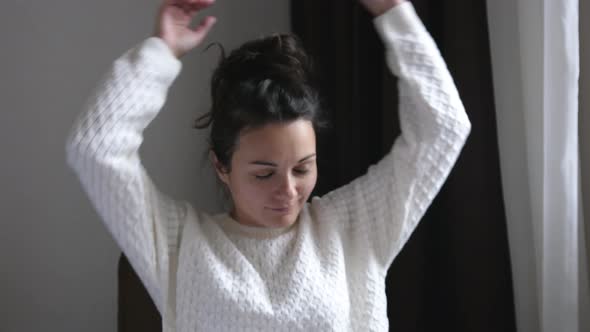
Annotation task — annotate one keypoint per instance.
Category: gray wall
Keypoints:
(585, 106)
(585, 110)
(58, 263)
(584, 127)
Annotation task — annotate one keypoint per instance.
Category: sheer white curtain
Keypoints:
(535, 60)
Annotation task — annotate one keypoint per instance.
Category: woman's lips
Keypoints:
(280, 209)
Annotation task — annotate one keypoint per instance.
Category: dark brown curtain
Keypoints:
(136, 311)
(454, 272)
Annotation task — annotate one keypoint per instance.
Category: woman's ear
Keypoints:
(221, 170)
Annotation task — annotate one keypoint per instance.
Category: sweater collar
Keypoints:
(230, 225)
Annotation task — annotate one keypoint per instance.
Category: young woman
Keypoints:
(274, 262)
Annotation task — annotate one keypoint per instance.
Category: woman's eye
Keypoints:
(264, 176)
(301, 171)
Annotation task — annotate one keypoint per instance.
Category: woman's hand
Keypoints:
(378, 7)
(174, 18)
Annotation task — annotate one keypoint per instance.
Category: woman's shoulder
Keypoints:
(198, 223)
(197, 217)
(323, 221)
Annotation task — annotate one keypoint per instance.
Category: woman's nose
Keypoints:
(287, 189)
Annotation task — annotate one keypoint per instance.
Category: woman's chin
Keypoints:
(283, 218)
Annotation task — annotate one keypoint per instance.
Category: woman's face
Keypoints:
(273, 172)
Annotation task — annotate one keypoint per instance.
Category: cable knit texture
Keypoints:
(325, 273)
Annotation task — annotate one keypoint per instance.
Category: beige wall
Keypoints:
(58, 263)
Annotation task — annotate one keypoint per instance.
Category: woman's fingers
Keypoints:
(174, 20)
(200, 31)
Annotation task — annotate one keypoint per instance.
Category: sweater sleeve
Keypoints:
(380, 209)
(103, 150)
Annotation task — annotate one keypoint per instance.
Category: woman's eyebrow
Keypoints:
(263, 163)
(268, 163)
(305, 158)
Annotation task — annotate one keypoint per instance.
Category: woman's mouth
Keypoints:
(280, 209)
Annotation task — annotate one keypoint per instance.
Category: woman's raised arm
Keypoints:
(382, 208)
(103, 148)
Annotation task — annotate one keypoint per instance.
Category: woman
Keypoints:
(274, 261)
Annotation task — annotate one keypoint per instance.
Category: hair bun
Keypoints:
(266, 80)
(278, 57)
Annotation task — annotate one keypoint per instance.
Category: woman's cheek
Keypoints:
(259, 189)
(312, 181)
(247, 189)
(307, 187)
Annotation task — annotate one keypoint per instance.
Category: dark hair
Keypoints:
(266, 80)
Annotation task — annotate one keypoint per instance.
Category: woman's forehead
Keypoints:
(289, 141)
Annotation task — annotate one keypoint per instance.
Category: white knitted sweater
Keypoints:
(327, 272)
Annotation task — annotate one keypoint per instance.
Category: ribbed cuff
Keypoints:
(158, 57)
